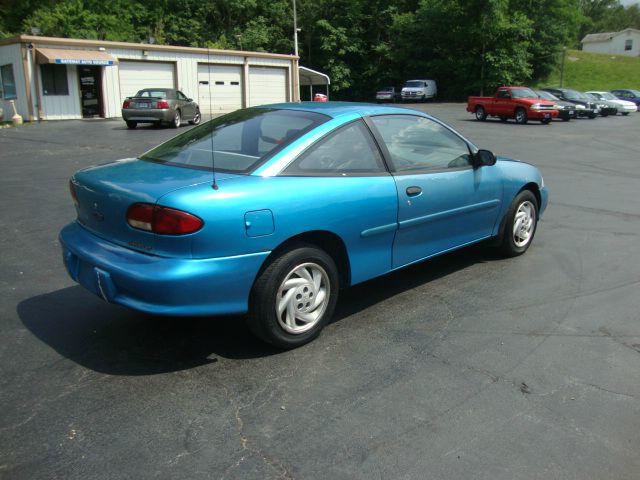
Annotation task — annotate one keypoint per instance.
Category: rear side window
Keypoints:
(350, 151)
(237, 142)
(421, 144)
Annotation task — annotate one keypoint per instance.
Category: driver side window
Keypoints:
(421, 144)
(503, 94)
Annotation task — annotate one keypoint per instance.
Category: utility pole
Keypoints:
(564, 49)
(295, 28)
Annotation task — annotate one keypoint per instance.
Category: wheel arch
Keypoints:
(533, 188)
(324, 240)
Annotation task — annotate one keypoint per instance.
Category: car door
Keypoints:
(444, 201)
(188, 108)
(343, 187)
(503, 106)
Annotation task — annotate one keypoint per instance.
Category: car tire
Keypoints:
(520, 224)
(294, 297)
(566, 119)
(592, 116)
(177, 120)
(625, 113)
(197, 119)
(503, 119)
(481, 115)
(131, 125)
(521, 116)
(604, 114)
(545, 121)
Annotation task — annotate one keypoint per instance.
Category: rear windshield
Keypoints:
(152, 93)
(237, 142)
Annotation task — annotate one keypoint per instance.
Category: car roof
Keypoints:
(337, 109)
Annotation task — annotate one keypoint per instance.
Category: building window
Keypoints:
(7, 82)
(628, 45)
(54, 79)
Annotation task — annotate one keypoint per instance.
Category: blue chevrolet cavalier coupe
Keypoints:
(271, 210)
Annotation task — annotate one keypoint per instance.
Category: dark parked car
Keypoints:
(584, 106)
(388, 94)
(566, 110)
(606, 107)
(628, 94)
(160, 105)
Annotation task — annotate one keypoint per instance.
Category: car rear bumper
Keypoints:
(148, 114)
(159, 285)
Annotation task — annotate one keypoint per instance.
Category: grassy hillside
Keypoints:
(596, 71)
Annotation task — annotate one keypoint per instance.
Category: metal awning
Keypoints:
(63, 56)
(310, 78)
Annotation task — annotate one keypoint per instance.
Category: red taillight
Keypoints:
(162, 104)
(162, 220)
(125, 104)
(72, 190)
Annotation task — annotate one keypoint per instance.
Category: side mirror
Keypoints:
(189, 99)
(485, 157)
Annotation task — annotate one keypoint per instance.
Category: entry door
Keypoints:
(443, 201)
(90, 91)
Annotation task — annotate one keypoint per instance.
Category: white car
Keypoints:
(625, 105)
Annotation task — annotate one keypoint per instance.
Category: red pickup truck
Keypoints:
(520, 103)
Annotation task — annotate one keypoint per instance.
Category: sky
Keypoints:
(629, 2)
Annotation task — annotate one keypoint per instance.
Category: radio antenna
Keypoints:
(214, 185)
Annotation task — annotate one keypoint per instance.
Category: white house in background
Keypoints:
(63, 78)
(625, 42)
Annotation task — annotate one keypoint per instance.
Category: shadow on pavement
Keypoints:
(111, 339)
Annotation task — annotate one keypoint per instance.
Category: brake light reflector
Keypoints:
(162, 220)
(125, 104)
(162, 104)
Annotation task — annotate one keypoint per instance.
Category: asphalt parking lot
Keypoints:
(468, 366)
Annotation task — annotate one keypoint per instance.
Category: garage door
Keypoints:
(219, 88)
(267, 85)
(135, 76)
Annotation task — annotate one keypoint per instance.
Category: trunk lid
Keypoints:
(106, 192)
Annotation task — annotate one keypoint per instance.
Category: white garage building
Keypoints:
(59, 78)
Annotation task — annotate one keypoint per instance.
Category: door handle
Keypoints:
(413, 191)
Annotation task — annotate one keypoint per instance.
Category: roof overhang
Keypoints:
(311, 77)
(62, 56)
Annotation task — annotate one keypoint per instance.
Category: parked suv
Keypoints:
(419, 90)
